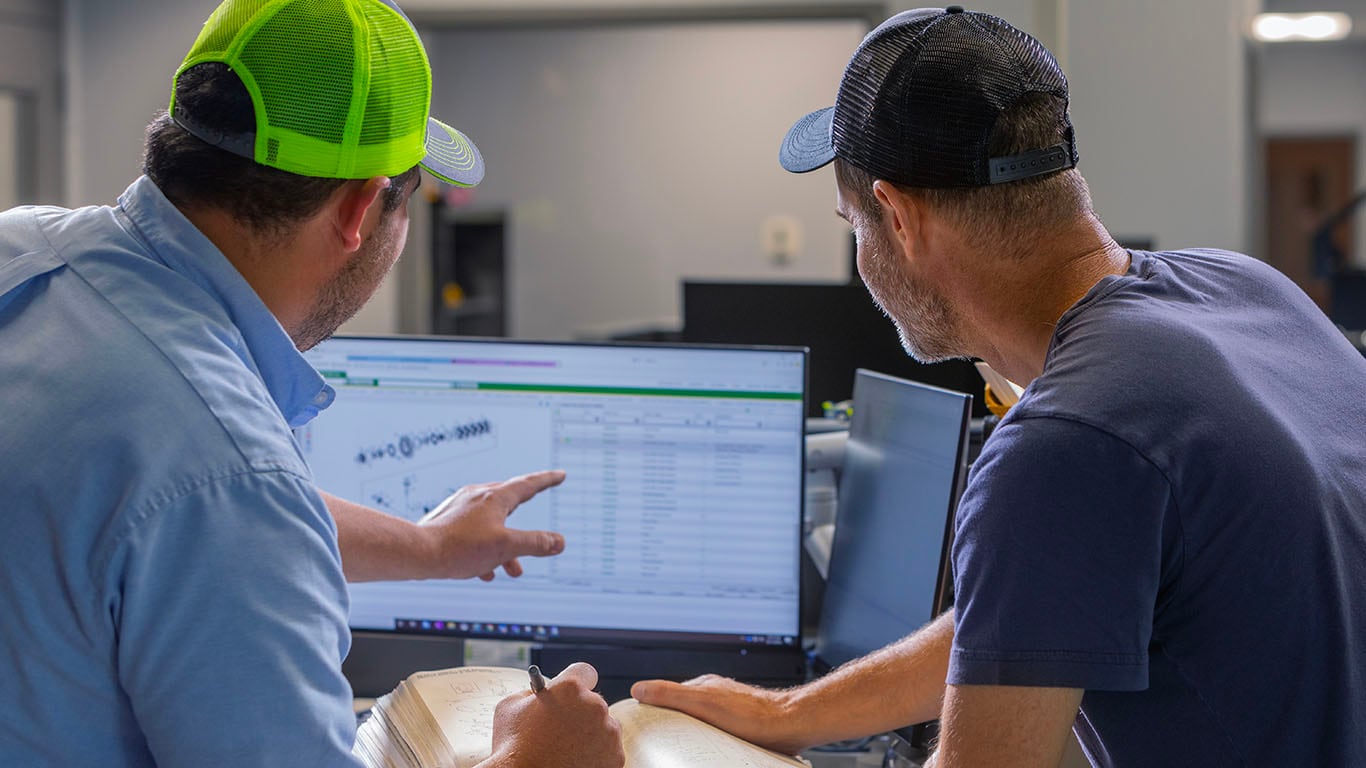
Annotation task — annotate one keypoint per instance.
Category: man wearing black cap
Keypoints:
(1163, 545)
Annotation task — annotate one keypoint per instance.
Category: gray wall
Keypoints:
(628, 157)
(121, 56)
(31, 43)
(9, 150)
(1160, 103)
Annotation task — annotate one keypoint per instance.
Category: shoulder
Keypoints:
(1048, 457)
(137, 416)
(1152, 346)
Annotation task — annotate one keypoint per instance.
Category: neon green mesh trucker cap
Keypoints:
(341, 89)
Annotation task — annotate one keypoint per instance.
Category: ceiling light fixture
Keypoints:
(1287, 27)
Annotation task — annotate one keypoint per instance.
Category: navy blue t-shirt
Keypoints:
(1173, 518)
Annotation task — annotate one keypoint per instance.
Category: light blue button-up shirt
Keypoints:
(171, 592)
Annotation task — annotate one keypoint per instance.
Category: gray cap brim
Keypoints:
(451, 156)
(807, 145)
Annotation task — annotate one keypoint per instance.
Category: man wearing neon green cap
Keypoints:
(172, 584)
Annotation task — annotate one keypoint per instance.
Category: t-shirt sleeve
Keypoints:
(232, 625)
(1058, 560)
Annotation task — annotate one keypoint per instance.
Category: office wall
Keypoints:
(9, 151)
(629, 156)
(1160, 102)
(120, 60)
(1336, 105)
(31, 43)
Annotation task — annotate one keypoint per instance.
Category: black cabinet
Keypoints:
(469, 272)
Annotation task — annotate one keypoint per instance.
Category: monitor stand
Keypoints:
(378, 661)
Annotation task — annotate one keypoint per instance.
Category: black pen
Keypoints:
(537, 679)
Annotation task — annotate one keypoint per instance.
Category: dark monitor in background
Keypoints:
(1348, 305)
(903, 471)
(840, 324)
(681, 509)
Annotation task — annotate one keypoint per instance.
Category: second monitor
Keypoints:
(839, 322)
(903, 471)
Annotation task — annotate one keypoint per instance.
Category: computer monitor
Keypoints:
(681, 508)
(899, 485)
(839, 322)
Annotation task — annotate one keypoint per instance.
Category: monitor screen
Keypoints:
(898, 488)
(839, 322)
(681, 507)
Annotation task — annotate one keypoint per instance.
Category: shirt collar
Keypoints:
(298, 390)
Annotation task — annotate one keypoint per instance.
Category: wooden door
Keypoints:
(1308, 179)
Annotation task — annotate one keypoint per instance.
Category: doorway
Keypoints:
(1308, 179)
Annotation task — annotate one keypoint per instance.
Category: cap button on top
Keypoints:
(954, 9)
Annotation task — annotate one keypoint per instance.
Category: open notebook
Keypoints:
(445, 718)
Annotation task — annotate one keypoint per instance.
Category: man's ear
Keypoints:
(361, 206)
(900, 213)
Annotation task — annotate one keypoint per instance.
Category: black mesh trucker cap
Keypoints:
(920, 98)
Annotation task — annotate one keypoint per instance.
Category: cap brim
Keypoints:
(451, 156)
(807, 145)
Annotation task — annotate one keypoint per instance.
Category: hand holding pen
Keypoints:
(559, 722)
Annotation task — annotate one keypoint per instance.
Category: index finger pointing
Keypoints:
(524, 487)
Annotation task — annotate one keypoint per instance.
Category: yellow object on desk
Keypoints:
(1000, 393)
(993, 402)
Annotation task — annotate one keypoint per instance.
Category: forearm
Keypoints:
(375, 546)
(891, 688)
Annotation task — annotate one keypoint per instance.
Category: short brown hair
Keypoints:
(991, 213)
(192, 173)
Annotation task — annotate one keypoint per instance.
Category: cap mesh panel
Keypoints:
(299, 60)
(314, 102)
(919, 101)
(223, 24)
(398, 98)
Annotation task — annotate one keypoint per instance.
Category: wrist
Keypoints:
(794, 711)
(379, 547)
(428, 560)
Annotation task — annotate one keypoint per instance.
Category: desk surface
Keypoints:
(868, 757)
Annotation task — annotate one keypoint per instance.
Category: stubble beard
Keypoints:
(342, 297)
(924, 319)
